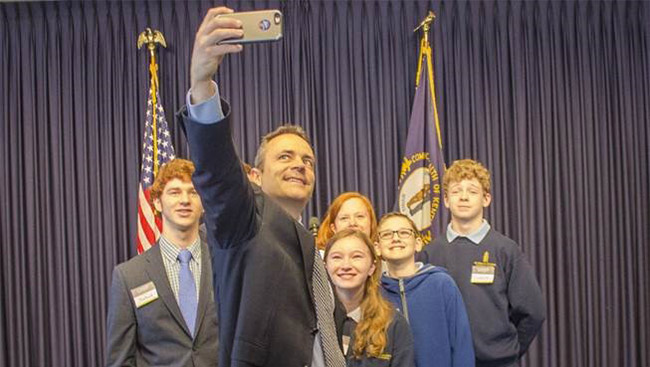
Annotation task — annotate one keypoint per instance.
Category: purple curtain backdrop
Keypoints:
(553, 96)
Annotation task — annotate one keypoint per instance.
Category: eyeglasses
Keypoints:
(402, 233)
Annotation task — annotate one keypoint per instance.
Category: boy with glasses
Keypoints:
(426, 295)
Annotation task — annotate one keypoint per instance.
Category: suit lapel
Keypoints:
(204, 287)
(285, 230)
(307, 246)
(156, 270)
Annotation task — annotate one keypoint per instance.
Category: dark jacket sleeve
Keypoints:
(227, 196)
(121, 325)
(527, 308)
(402, 339)
(460, 335)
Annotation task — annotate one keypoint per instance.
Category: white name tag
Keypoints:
(482, 274)
(483, 271)
(144, 294)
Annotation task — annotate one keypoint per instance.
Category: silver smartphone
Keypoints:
(258, 26)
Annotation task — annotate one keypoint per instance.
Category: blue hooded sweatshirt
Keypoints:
(433, 305)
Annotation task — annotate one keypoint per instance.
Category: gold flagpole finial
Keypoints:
(151, 38)
(425, 25)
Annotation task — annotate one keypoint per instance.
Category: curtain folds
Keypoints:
(553, 96)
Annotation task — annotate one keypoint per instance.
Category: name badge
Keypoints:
(483, 271)
(144, 294)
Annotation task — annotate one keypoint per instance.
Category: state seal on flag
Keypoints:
(419, 190)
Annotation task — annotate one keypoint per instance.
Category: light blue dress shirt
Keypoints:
(476, 237)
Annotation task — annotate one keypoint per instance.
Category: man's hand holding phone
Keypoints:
(222, 32)
(258, 26)
(208, 50)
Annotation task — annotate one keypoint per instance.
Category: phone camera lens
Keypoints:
(265, 24)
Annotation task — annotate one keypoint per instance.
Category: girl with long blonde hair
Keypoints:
(376, 333)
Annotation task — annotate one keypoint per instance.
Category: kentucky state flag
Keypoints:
(420, 194)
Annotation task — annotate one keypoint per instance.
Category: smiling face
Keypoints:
(397, 240)
(349, 263)
(180, 206)
(287, 172)
(353, 214)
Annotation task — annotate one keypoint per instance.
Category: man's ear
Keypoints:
(255, 176)
(446, 200)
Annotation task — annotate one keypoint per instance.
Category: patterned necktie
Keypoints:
(325, 315)
(187, 290)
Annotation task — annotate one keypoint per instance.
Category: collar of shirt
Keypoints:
(355, 314)
(171, 251)
(418, 266)
(476, 237)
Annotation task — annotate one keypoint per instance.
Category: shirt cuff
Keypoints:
(208, 111)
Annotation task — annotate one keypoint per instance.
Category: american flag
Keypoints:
(157, 149)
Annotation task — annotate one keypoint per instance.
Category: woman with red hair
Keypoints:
(348, 210)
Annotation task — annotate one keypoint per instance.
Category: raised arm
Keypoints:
(227, 196)
(208, 53)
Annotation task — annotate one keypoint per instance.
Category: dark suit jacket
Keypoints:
(263, 259)
(156, 334)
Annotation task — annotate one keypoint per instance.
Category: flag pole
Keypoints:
(425, 48)
(420, 195)
(157, 148)
(153, 38)
(424, 26)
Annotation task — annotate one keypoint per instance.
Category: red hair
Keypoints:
(467, 169)
(176, 168)
(325, 231)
